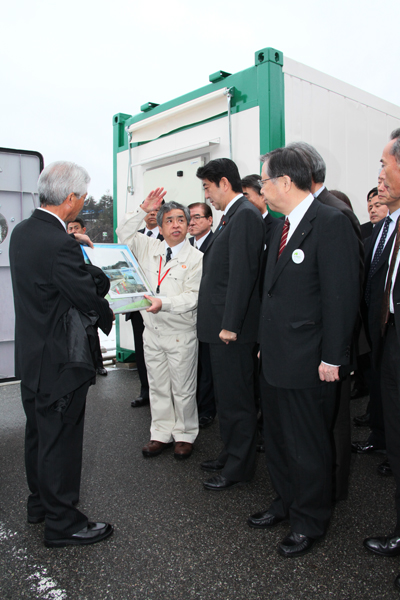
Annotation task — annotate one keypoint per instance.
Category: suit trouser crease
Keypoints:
(297, 425)
(171, 362)
(232, 368)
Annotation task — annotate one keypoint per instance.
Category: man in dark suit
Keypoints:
(388, 350)
(151, 230)
(342, 423)
(201, 221)
(376, 210)
(251, 187)
(56, 308)
(377, 252)
(309, 308)
(228, 310)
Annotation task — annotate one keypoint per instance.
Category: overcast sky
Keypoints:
(68, 67)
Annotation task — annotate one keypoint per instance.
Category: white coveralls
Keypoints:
(169, 339)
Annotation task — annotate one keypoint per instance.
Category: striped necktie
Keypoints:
(284, 235)
(386, 295)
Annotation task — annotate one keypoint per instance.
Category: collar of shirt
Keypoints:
(317, 193)
(154, 232)
(394, 216)
(231, 203)
(175, 249)
(264, 215)
(298, 213)
(201, 240)
(54, 215)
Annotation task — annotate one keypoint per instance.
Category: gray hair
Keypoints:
(395, 135)
(167, 207)
(315, 160)
(60, 179)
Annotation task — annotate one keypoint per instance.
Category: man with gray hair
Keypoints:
(342, 425)
(56, 309)
(173, 268)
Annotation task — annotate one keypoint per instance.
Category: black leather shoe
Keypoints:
(295, 544)
(385, 546)
(366, 448)
(205, 422)
(94, 532)
(102, 371)
(397, 582)
(362, 420)
(212, 465)
(385, 469)
(359, 393)
(35, 520)
(263, 520)
(219, 483)
(139, 401)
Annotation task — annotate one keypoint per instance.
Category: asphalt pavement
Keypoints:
(173, 540)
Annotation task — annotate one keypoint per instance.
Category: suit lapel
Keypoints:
(300, 234)
(227, 217)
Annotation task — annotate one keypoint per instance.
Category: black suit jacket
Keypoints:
(205, 244)
(372, 312)
(366, 230)
(229, 291)
(49, 278)
(309, 308)
(325, 197)
(269, 224)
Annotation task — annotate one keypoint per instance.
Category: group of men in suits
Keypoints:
(382, 318)
(311, 266)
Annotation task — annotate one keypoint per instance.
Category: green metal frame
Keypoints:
(261, 85)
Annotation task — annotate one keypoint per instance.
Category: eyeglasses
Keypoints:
(85, 200)
(262, 181)
(197, 217)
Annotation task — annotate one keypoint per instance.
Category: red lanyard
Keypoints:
(162, 278)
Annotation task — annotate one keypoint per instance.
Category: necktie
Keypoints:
(375, 260)
(168, 255)
(284, 235)
(149, 233)
(386, 295)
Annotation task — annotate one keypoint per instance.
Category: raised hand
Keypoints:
(153, 200)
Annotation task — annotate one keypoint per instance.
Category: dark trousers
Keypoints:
(390, 382)
(53, 461)
(342, 440)
(298, 447)
(377, 435)
(205, 388)
(232, 368)
(138, 328)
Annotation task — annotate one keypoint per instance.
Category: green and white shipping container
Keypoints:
(241, 116)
